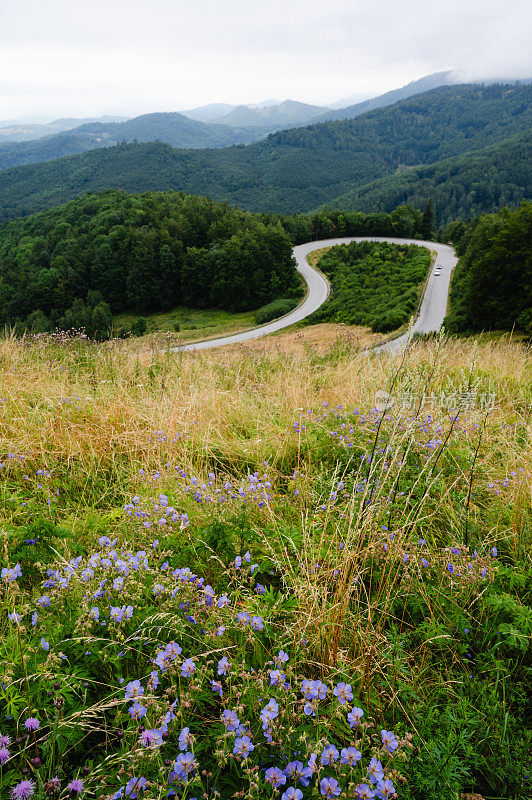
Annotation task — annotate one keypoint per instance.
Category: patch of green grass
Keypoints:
(193, 323)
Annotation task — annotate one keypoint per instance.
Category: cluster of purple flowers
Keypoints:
(200, 613)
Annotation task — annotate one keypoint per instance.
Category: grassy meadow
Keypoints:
(190, 324)
(250, 574)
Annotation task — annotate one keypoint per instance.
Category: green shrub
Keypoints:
(274, 310)
(139, 327)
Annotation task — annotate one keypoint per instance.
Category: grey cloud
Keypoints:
(129, 56)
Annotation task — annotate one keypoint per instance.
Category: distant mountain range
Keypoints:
(172, 128)
(288, 114)
(212, 126)
(15, 131)
(304, 168)
(415, 87)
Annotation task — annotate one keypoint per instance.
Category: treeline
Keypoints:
(75, 265)
(373, 283)
(404, 222)
(491, 287)
(294, 170)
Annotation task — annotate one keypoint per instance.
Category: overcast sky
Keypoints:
(92, 57)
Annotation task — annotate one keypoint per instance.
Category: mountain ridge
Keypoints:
(291, 170)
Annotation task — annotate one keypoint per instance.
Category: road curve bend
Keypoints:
(431, 313)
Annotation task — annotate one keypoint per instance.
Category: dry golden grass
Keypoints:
(236, 401)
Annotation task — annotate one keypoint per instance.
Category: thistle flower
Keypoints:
(52, 786)
(32, 724)
(75, 787)
(23, 790)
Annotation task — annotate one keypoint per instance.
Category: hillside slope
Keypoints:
(477, 182)
(294, 170)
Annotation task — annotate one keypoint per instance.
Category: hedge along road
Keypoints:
(431, 313)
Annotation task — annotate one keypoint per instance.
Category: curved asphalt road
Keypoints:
(430, 316)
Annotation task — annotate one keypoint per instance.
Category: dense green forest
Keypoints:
(405, 222)
(492, 284)
(373, 283)
(73, 266)
(460, 187)
(293, 170)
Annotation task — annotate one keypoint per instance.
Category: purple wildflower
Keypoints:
(75, 787)
(23, 790)
(329, 755)
(185, 739)
(354, 716)
(365, 792)
(184, 764)
(292, 794)
(375, 771)
(384, 789)
(243, 746)
(151, 738)
(223, 666)
(230, 720)
(343, 692)
(187, 668)
(329, 788)
(274, 776)
(350, 756)
(389, 740)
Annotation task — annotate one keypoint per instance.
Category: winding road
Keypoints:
(431, 312)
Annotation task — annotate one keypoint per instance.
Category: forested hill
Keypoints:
(491, 287)
(114, 252)
(172, 128)
(460, 187)
(292, 170)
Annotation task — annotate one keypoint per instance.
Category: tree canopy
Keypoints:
(73, 265)
(492, 283)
